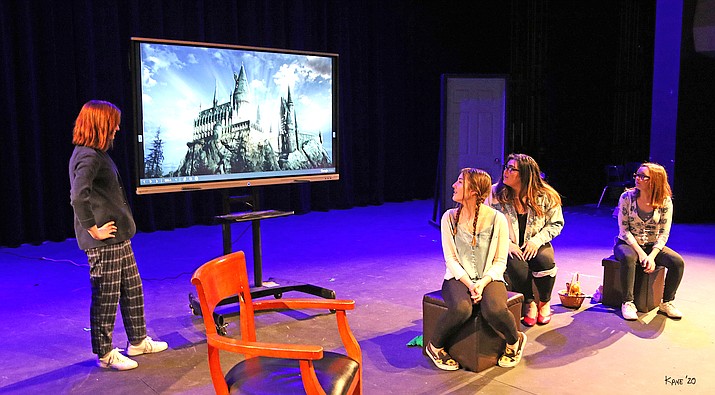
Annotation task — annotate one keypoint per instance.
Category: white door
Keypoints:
(473, 122)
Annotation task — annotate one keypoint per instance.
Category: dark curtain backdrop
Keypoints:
(56, 55)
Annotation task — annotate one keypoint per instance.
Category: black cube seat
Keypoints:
(476, 346)
(647, 290)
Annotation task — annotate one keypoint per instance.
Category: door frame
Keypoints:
(439, 192)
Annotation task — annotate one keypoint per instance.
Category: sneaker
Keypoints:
(440, 358)
(147, 346)
(629, 311)
(512, 356)
(669, 309)
(115, 360)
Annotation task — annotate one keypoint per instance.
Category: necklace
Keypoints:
(644, 215)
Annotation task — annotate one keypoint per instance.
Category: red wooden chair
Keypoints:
(273, 367)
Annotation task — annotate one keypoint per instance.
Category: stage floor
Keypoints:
(385, 258)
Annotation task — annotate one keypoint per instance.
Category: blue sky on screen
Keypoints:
(179, 81)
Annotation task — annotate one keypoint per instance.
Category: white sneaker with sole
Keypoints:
(629, 311)
(669, 309)
(115, 360)
(147, 346)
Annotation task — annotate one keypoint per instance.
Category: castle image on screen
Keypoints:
(226, 139)
(212, 114)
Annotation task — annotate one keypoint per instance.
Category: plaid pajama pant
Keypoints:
(115, 280)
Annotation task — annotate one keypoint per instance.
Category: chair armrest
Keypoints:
(273, 350)
(339, 305)
(304, 303)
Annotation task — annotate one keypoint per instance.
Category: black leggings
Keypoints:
(460, 308)
(628, 258)
(520, 274)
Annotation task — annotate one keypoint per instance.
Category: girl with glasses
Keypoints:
(533, 211)
(645, 214)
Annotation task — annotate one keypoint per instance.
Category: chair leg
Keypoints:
(602, 195)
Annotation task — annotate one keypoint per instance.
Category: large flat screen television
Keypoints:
(211, 116)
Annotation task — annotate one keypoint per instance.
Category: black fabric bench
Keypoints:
(647, 291)
(476, 346)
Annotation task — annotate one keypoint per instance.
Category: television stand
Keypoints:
(272, 286)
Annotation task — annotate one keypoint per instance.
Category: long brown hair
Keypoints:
(479, 182)
(659, 186)
(532, 185)
(95, 123)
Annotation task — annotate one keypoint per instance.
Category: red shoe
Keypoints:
(528, 321)
(543, 320)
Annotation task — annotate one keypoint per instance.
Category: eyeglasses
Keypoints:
(641, 177)
(510, 169)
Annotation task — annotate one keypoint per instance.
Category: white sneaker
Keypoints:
(669, 309)
(115, 360)
(629, 311)
(147, 346)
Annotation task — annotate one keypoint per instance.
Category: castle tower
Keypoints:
(215, 93)
(288, 127)
(240, 90)
(295, 125)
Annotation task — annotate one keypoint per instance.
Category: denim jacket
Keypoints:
(539, 229)
(498, 249)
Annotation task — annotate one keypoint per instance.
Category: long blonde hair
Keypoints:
(659, 186)
(532, 185)
(479, 182)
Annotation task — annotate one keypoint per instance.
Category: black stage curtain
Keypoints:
(56, 55)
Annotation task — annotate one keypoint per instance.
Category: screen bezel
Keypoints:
(179, 186)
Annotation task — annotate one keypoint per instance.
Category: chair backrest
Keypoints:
(220, 279)
(614, 173)
(631, 167)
